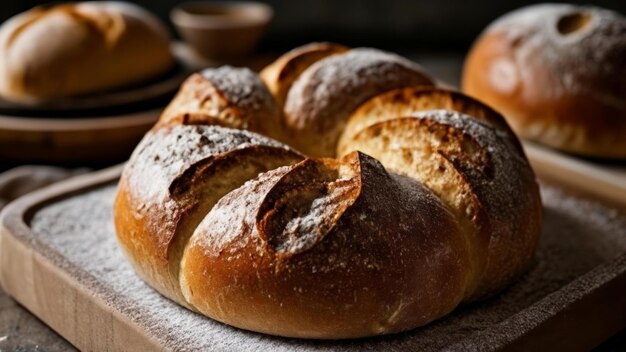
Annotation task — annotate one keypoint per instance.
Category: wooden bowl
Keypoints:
(218, 30)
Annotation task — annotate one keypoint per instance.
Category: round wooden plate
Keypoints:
(91, 130)
(132, 98)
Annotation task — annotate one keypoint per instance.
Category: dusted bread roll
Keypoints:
(78, 49)
(318, 85)
(431, 204)
(558, 74)
(313, 111)
(226, 96)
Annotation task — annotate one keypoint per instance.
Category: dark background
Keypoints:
(416, 26)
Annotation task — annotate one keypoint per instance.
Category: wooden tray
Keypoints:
(59, 258)
(605, 180)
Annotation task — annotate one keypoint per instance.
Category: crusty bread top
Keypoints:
(321, 99)
(226, 96)
(240, 86)
(280, 75)
(583, 49)
(82, 48)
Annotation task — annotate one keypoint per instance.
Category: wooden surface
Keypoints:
(62, 141)
(97, 129)
(603, 180)
(91, 318)
(19, 329)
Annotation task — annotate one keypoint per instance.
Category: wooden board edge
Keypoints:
(27, 205)
(576, 317)
(596, 312)
(596, 181)
(65, 305)
(23, 270)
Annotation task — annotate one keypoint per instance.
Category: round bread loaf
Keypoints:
(558, 74)
(77, 49)
(414, 218)
(225, 96)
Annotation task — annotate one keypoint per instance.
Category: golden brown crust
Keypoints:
(558, 74)
(408, 101)
(225, 96)
(474, 168)
(354, 269)
(172, 180)
(313, 111)
(280, 75)
(83, 48)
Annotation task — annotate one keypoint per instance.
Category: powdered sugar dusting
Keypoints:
(166, 152)
(241, 86)
(580, 62)
(302, 231)
(218, 228)
(323, 96)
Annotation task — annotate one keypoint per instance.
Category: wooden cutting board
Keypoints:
(605, 180)
(59, 258)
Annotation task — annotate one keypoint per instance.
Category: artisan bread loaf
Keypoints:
(430, 204)
(82, 48)
(558, 74)
(225, 96)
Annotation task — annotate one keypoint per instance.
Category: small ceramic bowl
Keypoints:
(218, 30)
